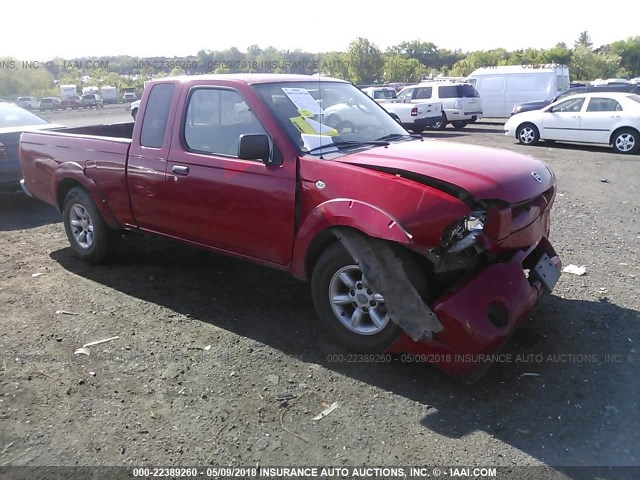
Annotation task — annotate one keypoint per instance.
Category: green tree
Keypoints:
(629, 52)
(365, 61)
(584, 40)
(335, 64)
(588, 65)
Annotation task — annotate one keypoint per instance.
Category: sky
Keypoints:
(44, 30)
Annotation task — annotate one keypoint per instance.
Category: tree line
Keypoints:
(362, 63)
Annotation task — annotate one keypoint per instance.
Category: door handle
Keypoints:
(615, 116)
(180, 170)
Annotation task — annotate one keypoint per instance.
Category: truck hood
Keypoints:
(466, 171)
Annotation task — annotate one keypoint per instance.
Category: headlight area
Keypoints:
(461, 246)
(464, 233)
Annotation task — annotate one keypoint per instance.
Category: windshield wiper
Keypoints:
(350, 144)
(398, 136)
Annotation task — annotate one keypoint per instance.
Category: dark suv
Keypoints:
(92, 100)
(540, 104)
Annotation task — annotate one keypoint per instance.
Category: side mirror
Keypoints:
(255, 146)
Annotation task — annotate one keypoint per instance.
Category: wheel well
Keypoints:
(327, 238)
(64, 187)
(617, 130)
(318, 245)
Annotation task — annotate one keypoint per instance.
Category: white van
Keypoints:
(502, 87)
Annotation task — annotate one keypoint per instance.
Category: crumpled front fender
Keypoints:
(345, 212)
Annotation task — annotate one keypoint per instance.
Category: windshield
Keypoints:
(322, 113)
(14, 116)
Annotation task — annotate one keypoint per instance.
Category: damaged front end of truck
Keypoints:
(491, 268)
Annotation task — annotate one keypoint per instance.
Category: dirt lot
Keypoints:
(161, 396)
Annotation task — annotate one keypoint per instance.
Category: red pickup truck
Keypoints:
(410, 245)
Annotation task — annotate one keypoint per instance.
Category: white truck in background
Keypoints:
(68, 91)
(109, 94)
(414, 116)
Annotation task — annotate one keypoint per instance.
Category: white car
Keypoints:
(30, 103)
(611, 118)
(349, 116)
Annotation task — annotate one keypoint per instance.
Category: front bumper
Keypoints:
(481, 314)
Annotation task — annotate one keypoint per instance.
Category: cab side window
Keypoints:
(215, 120)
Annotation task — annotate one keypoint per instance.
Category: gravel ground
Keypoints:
(220, 362)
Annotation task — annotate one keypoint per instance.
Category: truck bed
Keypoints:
(116, 130)
(96, 154)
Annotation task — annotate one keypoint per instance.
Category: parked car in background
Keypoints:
(92, 100)
(51, 103)
(129, 97)
(380, 93)
(13, 121)
(415, 116)
(609, 118)
(461, 103)
(74, 102)
(537, 105)
(30, 103)
(134, 108)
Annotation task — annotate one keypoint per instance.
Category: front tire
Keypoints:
(626, 140)
(90, 237)
(528, 134)
(349, 308)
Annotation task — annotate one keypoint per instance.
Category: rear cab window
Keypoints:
(156, 115)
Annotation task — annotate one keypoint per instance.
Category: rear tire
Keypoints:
(441, 124)
(459, 124)
(626, 140)
(340, 294)
(528, 134)
(90, 237)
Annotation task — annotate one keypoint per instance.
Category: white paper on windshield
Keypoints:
(303, 100)
(311, 141)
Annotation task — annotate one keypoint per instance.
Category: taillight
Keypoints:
(414, 112)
